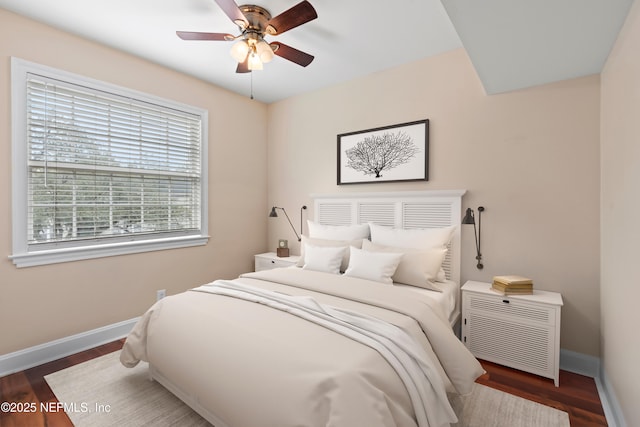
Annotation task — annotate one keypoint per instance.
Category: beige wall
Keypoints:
(530, 157)
(620, 152)
(39, 304)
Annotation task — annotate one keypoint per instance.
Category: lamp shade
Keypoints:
(469, 217)
(273, 213)
(264, 51)
(240, 50)
(254, 62)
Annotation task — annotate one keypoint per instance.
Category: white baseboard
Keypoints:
(43, 353)
(610, 405)
(590, 366)
(579, 363)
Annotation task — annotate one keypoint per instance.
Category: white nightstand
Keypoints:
(522, 332)
(270, 260)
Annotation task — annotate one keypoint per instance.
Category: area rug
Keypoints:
(102, 392)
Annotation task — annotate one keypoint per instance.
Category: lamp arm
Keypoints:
(478, 239)
(475, 234)
(291, 224)
(301, 233)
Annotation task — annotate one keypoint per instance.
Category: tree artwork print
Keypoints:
(376, 153)
(391, 153)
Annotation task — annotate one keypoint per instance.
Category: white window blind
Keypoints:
(105, 168)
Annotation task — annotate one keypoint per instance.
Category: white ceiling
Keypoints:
(512, 43)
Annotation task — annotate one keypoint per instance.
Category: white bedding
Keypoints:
(448, 299)
(414, 367)
(248, 365)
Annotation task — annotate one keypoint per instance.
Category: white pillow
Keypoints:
(424, 238)
(329, 243)
(338, 232)
(376, 266)
(418, 267)
(327, 259)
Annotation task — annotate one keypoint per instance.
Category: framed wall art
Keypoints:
(385, 154)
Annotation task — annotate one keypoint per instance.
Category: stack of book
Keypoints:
(512, 285)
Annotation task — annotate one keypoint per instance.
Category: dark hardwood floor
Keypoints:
(29, 387)
(577, 394)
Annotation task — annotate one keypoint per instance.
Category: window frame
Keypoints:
(23, 255)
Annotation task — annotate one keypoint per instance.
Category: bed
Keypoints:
(354, 336)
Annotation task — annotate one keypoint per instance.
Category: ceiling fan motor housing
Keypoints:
(257, 16)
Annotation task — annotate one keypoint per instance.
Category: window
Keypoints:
(101, 170)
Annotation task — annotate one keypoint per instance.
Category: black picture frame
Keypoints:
(393, 153)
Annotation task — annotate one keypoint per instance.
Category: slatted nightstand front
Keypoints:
(522, 332)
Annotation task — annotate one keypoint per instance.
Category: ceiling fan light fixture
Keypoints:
(240, 50)
(264, 51)
(254, 62)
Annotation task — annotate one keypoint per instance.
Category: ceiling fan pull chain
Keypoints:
(251, 72)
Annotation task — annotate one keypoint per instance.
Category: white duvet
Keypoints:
(248, 352)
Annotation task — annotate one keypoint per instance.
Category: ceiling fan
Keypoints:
(255, 22)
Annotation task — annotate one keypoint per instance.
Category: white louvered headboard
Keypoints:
(407, 210)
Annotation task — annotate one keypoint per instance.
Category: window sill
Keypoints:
(53, 256)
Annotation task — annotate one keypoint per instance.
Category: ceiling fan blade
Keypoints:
(193, 35)
(243, 67)
(292, 54)
(231, 9)
(299, 14)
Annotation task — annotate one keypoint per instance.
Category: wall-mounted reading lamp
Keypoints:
(274, 214)
(469, 218)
